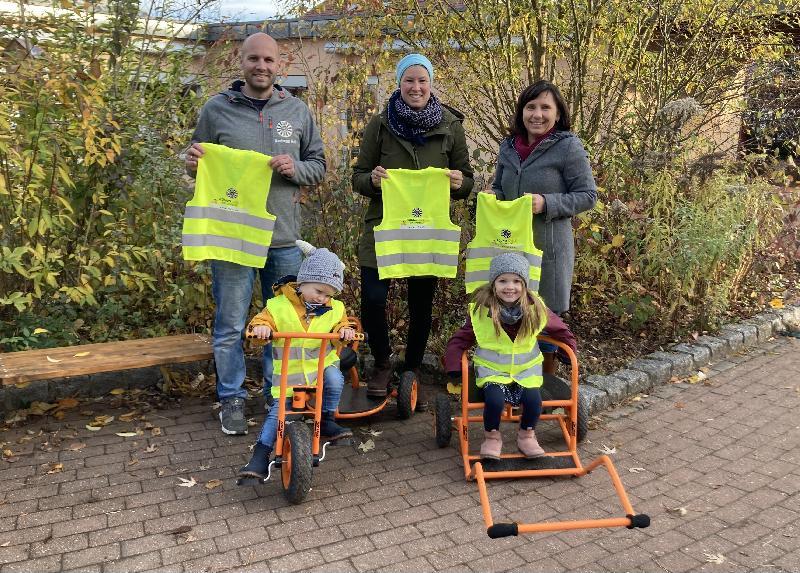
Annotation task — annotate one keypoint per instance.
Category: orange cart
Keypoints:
(572, 422)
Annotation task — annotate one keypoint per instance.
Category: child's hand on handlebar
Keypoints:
(347, 334)
(262, 332)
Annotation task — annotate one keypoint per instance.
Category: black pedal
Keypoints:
(250, 481)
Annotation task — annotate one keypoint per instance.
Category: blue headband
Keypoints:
(413, 60)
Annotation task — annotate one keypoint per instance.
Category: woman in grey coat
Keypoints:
(543, 158)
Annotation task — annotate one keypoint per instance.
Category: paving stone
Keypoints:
(615, 388)
(749, 332)
(636, 380)
(90, 556)
(766, 325)
(718, 347)
(658, 371)
(734, 338)
(790, 315)
(682, 365)
(596, 399)
(701, 355)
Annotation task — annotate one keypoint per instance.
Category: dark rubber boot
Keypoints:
(331, 430)
(378, 384)
(258, 465)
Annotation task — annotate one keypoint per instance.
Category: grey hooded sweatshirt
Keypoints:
(559, 170)
(284, 126)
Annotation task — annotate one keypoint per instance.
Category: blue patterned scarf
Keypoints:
(411, 124)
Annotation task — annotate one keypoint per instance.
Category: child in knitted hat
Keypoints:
(503, 321)
(304, 303)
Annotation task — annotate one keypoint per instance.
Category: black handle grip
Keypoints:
(640, 520)
(499, 530)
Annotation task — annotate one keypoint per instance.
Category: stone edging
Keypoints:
(646, 372)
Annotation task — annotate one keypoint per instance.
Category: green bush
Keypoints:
(91, 188)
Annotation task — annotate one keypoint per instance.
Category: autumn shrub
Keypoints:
(91, 189)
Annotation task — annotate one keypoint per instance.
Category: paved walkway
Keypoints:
(720, 479)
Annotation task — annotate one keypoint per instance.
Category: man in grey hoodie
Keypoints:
(257, 115)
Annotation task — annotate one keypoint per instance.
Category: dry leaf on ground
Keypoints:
(128, 434)
(636, 470)
(55, 468)
(366, 446)
(211, 484)
(187, 482)
(81, 354)
(717, 558)
(52, 359)
(604, 449)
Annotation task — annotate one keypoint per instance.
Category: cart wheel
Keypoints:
(407, 395)
(583, 418)
(442, 424)
(296, 466)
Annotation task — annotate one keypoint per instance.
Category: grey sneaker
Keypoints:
(232, 417)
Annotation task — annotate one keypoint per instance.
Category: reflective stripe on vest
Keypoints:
(416, 237)
(501, 227)
(303, 353)
(227, 218)
(501, 360)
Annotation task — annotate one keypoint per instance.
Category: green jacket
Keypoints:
(446, 147)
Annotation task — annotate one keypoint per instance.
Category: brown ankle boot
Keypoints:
(492, 445)
(528, 445)
(377, 385)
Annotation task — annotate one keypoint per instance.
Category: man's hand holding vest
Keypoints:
(193, 155)
(283, 164)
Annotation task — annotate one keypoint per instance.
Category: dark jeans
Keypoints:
(374, 293)
(494, 401)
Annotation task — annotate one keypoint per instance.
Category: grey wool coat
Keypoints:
(559, 170)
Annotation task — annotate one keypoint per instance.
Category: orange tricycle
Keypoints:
(568, 411)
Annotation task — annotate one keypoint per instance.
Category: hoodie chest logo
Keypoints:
(284, 129)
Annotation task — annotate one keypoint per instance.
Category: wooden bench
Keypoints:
(48, 363)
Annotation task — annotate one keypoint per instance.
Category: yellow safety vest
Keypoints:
(416, 237)
(227, 218)
(502, 360)
(303, 352)
(501, 226)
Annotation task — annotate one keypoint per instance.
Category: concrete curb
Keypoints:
(683, 359)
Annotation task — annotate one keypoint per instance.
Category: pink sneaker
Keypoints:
(527, 444)
(492, 445)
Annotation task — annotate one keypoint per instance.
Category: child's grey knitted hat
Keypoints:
(509, 262)
(320, 266)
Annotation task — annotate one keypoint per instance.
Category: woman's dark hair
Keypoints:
(531, 93)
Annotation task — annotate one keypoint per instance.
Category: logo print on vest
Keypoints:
(284, 129)
(417, 212)
(231, 193)
(506, 234)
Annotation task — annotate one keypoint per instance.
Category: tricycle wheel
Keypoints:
(297, 462)
(583, 418)
(442, 424)
(407, 395)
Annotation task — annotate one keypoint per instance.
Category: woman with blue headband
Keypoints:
(414, 131)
